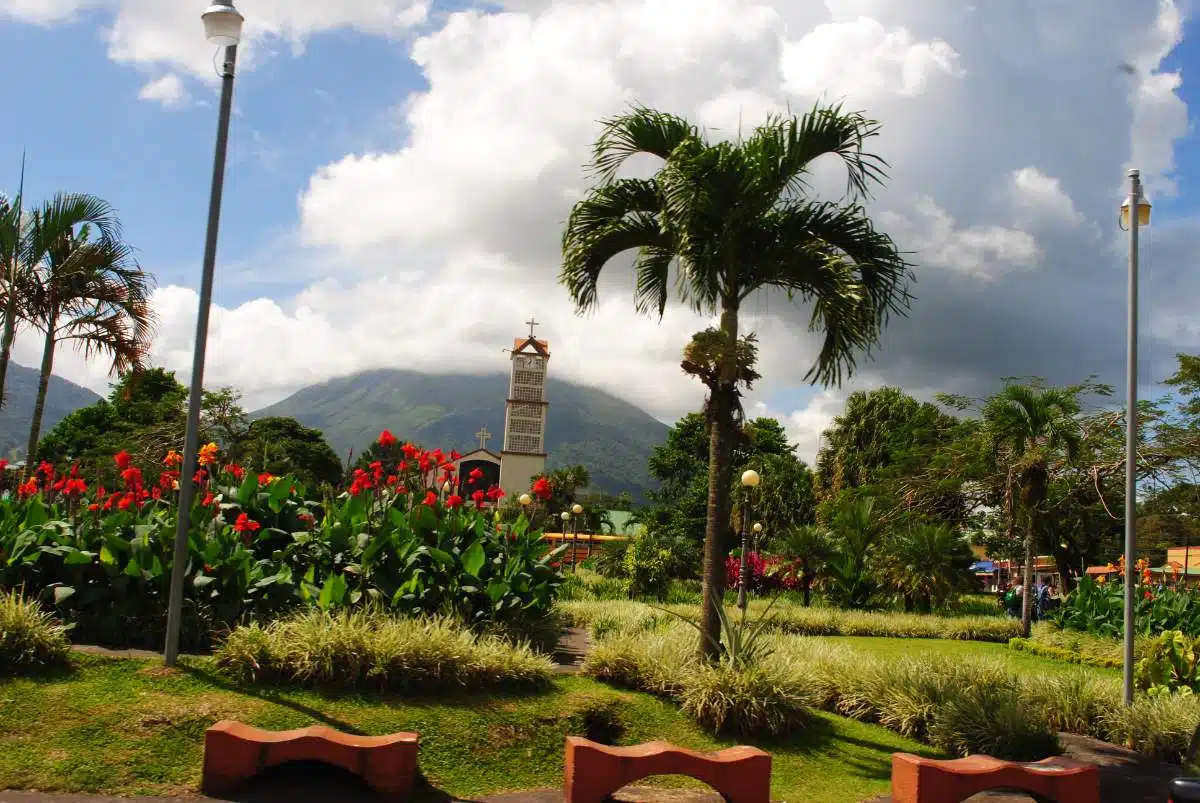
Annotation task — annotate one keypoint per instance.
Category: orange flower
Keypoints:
(208, 454)
(172, 459)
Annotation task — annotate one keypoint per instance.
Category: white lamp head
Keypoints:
(577, 509)
(757, 527)
(750, 478)
(524, 499)
(1143, 208)
(223, 23)
(565, 515)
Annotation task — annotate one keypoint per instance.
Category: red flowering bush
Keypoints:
(400, 534)
(765, 575)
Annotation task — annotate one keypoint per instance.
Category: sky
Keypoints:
(399, 173)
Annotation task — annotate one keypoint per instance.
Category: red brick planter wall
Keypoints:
(594, 771)
(234, 753)
(924, 780)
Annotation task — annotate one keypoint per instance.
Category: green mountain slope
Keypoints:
(20, 392)
(611, 437)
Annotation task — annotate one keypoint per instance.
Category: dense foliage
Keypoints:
(261, 545)
(1098, 608)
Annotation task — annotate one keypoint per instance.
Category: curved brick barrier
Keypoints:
(594, 771)
(235, 752)
(925, 780)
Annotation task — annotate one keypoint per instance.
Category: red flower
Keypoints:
(30, 488)
(430, 499)
(265, 478)
(75, 487)
(1148, 595)
(208, 569)
(122, 459)
(126, 500)
(409, 450)
(132, 477)
(454, 456)
(208, 500)
(386, 439)
(199, 476)
(156, 492)
(3, 465)
(541, 488)
(245, 524)
(478, 498)
(237, 471)
(494, 493)
(93, 507)
(476, 474)
(453, 501)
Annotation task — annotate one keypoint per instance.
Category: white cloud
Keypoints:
(168, 91)
(1007, 131)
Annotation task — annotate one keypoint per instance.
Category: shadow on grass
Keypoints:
(281, 694)
(52, 672)
(305, 781)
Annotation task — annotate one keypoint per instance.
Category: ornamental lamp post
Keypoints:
(750, 480)
(566, 516)
(1135, 213)
(577, 509)
(222, 27)
(757, 528)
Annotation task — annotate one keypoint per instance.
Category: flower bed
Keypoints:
(262, 546)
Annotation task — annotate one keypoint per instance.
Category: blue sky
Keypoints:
(84, 128)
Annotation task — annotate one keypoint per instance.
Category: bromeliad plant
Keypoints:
(259, 546)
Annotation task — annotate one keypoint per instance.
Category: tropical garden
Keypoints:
(829, 611)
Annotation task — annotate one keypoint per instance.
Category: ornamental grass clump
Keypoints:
(991, 719)
(1162, 727)
(30, 638)
(1075, 702)
(745, 702)
(370, 649)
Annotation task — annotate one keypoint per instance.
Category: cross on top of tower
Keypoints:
(532, 322)
(483, 436)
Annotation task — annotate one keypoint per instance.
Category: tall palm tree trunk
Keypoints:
(10, 332)
(720, 443)
(39, 406)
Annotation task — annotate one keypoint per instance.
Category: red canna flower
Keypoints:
(156, 492)
(265, 478)
(1148, 595)
(386, 439)
(132, 477)
(75, 487)
(454, 455)
(199, 476)
(122, 459)
(126, 500)
(29, 488)
(475, 474)
(494, 493)
(208, 500)
(409, 450)
(478, 498)
(245, 524)
(430, 499)
(541, 488)
(3, 466)
(237, 471)
(453, 501)
(93, 507)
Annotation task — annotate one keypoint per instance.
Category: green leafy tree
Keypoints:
(282, 446)
(733, 218)
(784, 497)
(927, 564)
(1028, 427)
(145, 414)
(856, 532)
(805, 549)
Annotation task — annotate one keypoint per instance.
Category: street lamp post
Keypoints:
(566, 516)
(1135, 212)
(750, 480)
(222, 27)
(757, 528)
(577, 510)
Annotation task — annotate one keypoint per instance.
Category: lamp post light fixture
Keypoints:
(757, 528)
(576, 509)
(222, 27)
(524, 499)
(1135, 213)
(750, 480)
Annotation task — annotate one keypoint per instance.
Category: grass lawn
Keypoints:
(1017, 661)
(130, 728)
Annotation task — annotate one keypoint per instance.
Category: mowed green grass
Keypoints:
(128, 727)
(1015, 660)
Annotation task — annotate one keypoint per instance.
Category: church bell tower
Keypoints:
(524, 452)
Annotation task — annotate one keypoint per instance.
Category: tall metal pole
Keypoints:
(191, 443)
(744, 565)
(1135, 199)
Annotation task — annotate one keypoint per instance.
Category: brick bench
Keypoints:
(925, 780)
(594, 771)
(235, 752)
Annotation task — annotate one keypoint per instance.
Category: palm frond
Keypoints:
(640, 130)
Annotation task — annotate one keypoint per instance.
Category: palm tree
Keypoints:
(90, 292)
(1028, 427)
(732, 218)
(21, 254)
(856, 530)
(927, 564)
(805, 549)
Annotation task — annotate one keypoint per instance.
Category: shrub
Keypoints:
(1077, 648)
(30, 638)
(1099, 609)
(359, 648)
(1169, 666)
(991, 719)
(757, 701)
(766, 574)
(1076, 702)
(1161, 727)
